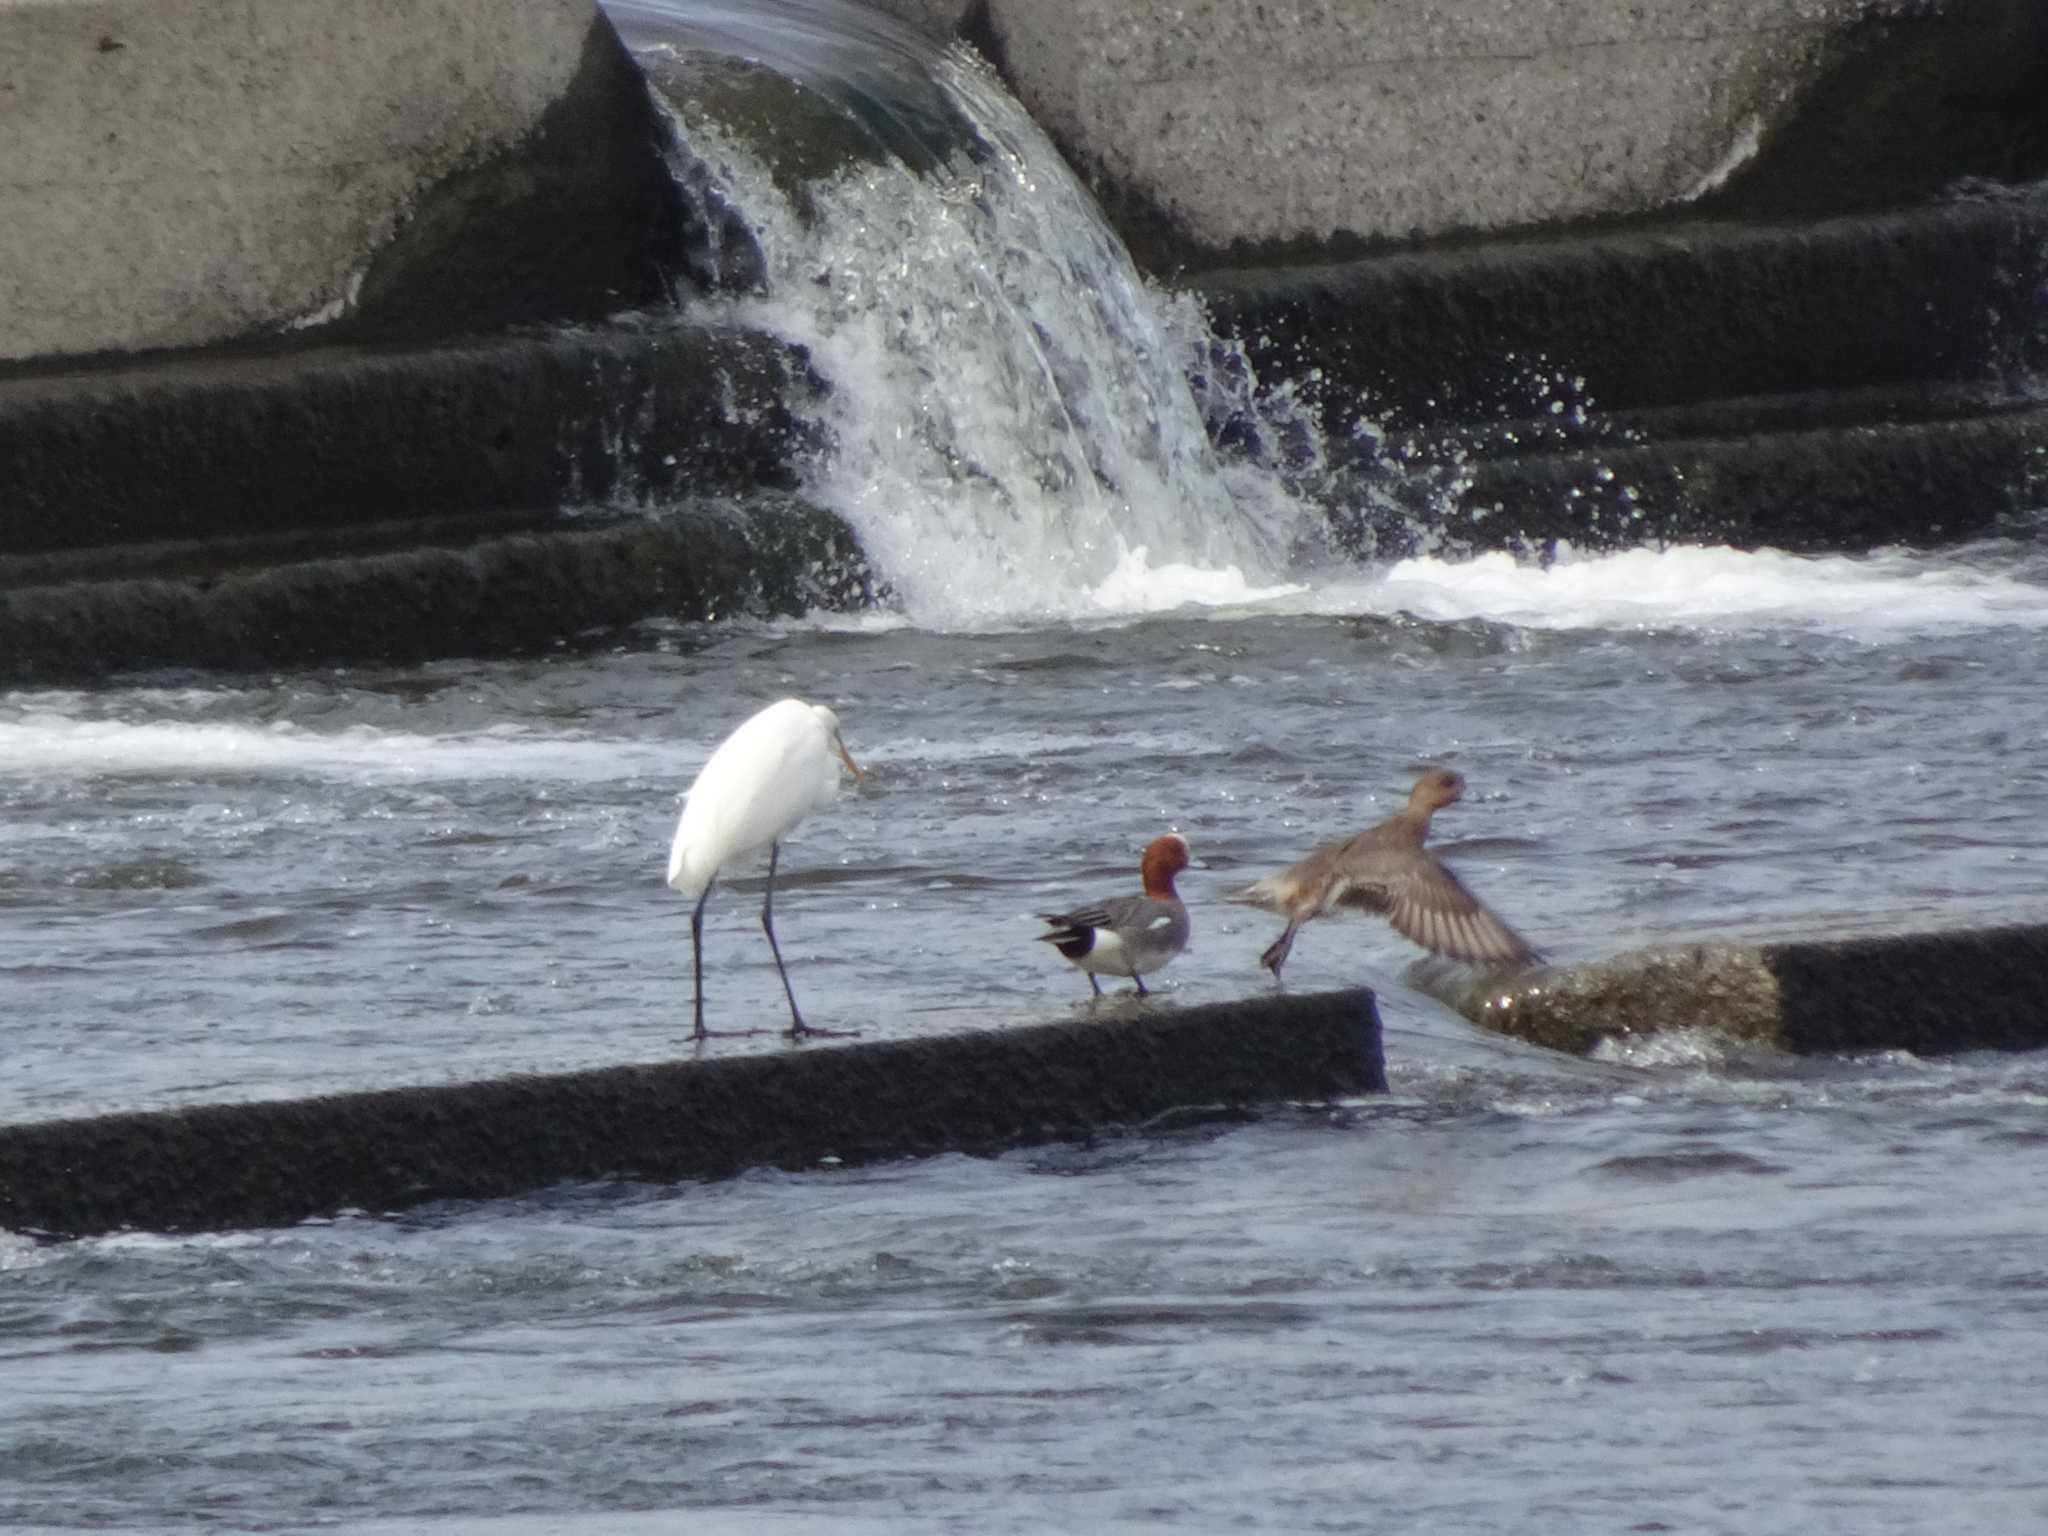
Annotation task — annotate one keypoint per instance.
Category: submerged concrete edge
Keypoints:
(241, 1165)
(520, 594)
(1932, 994)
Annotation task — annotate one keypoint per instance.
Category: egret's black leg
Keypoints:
(798, 1029)
(697, 960)
(1276, 953)
(1093, 982)
(1141, 984)
(796, 1025)
(700, 1033)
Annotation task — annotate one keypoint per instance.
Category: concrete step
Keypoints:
(1832, 385)
(284, 506)
(412, 592)
(1670, 313)
(241, 1165)
(1812, 490)
(236, 444)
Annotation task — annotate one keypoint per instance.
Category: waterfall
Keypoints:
(1010, 425)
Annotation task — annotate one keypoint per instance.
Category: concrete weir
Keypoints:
(259, 1164)
(1933, 994)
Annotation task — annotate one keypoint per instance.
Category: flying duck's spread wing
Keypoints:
(1432, 908)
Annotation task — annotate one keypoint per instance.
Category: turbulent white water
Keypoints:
(1871, 597)
(37, 739)
(1013, 433)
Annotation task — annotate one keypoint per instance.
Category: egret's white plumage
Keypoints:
(769, 774)
(775, 769)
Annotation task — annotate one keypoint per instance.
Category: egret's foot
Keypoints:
(803, 1031)
(698, 1037)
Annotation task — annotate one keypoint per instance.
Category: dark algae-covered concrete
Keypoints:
(280, 507)
(1681, 312)
(1983, 989)
(234, 444)
(1823, 385)
(515, 591)
(263, 1163)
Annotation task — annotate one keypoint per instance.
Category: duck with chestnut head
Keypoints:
(1128, 935)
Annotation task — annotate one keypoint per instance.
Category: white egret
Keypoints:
(776, 768)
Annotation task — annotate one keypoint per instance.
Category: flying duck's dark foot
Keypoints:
(803, 1031)
(1277, 952)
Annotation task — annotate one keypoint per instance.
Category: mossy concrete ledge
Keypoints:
(1929, 993)
(241, 444)
(522, 593)
(267, 1163)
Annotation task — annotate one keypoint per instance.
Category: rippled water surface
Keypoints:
(1688, 1288)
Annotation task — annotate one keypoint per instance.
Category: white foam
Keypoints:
(40, 742)
(1136, 586)
(43, 740)
(1692, 587)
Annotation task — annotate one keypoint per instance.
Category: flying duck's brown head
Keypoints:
(1434, 790)
(1164, 858)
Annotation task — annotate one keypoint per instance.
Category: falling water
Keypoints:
(1012, 430)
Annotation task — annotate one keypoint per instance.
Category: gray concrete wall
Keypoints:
(177, 174)
(1285, 122)
(1292, 123)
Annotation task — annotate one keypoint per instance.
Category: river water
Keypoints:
(1683, 1287)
